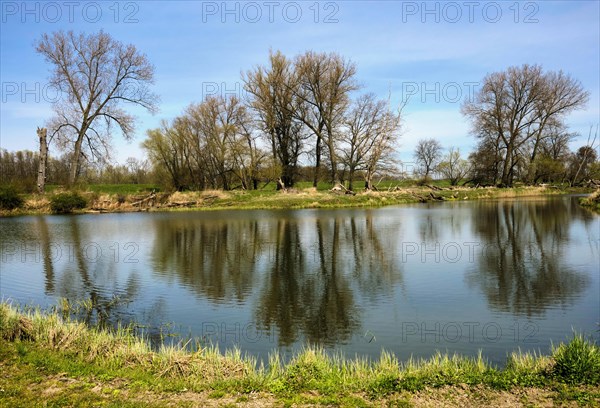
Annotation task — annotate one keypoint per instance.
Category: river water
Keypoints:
(460, 277)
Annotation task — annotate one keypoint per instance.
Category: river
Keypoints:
(460, 277)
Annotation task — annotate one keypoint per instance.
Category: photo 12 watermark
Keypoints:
(253, 12)
(468, 332)
(224, 89)
(29, 92)
(43, 92)
(235, 333)
(61, 12)
(452, 12)
(92, 252)
(438, 92)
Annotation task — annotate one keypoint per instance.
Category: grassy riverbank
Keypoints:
(592, 201)
(145, 198)
(47, 360)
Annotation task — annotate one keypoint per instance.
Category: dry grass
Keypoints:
(38, 203)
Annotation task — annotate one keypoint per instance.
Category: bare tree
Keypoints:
(211, 145)
(325, 81)
(274, 96)
(96, 74)
(369, 139)
(453, 167)
(171, 153)
(427, 154)
(518, 106)
(221, 133)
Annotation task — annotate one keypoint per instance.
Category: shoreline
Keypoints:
(68, 363)
(216, 200)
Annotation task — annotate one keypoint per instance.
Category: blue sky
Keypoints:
(435, 52)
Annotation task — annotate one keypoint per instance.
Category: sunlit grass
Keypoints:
(71, 347)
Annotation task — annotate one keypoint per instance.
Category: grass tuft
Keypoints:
(578, 361)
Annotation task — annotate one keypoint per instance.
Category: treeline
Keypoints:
(298, 111)
(555, 163)
(301, 118)
(305, 109)
(20, 169)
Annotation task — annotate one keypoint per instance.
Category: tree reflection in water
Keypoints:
(521, 269)
(81, 281)
(307, 272)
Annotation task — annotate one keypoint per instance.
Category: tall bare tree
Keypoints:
(325, 82)
(96, 75)
(427, 155)
(274, 97)
(517, 106)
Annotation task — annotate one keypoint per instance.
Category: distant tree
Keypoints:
(171, 154)
(485, 163)
(550, 164)
(427, 155)
(369, 139)
(137, 169)
(19, 168)
(516, 109)
(583, 164)
(212, 145)
(96, 75)
(453, 167)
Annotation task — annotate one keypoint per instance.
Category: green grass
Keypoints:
(577, 362)
(41, 350)
(108, 188)
(123, 188)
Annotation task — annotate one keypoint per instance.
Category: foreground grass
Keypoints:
(47, 360)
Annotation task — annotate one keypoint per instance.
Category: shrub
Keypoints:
(65, 203)
(9, 198)
(577, 361)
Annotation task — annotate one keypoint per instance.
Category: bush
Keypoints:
(9, 198)
(67, 202)
(577, 361)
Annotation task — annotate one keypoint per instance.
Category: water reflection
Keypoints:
(87, 280)
(317, 276)
(303, 268)
(522, 268)
(216, 258)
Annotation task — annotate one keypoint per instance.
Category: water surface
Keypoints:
(459, 277)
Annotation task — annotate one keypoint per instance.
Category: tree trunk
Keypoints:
(75, 161)
(350, 178)
(368, 181)
(41, 181)
(507, 168)
(317, 162)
